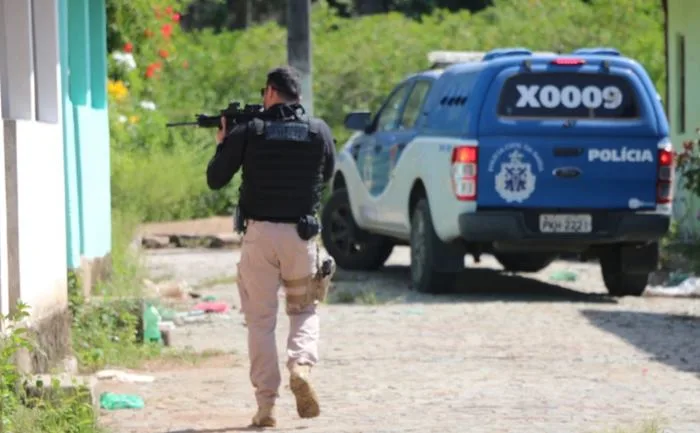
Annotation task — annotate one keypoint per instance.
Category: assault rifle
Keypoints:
(233, 113)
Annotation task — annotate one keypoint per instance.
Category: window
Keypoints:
(569, 95)
(414, 104)
(389, 116)
(680, 40)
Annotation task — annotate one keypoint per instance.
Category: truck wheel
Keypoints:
(622, 280)
(434, 265)
(519, 262)
(352, 248)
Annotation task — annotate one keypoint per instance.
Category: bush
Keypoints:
(20, 412)
(159, 172)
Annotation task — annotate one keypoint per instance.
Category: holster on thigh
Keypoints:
(298, 294)
(302, 292)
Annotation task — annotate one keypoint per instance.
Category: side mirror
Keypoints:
(358, 120)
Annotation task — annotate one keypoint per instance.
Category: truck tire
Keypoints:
(434, 265)
(621, 281)
(524, 262)
(352, 248)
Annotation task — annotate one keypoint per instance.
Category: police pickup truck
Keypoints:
(523, 155)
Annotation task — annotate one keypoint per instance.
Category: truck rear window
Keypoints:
(568, 95)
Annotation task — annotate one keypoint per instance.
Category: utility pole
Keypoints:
(299, 47)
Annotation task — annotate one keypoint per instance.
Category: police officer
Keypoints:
(286, 159)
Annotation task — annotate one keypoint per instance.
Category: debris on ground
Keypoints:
(123, 376)
(168, 289)
(563, 276)
(151, 324)
(212, 307)
(111, 401)
(676, 284)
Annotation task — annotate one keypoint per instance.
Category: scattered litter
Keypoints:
(209, 298)
(212, 307)
(123, 376)
(151, 321)
(414, 312)
(166, 314)
(687, 287)
(166, 325)
(676, 278)
(168, 289)
(111, 401)
(189, 317)
(563, 276)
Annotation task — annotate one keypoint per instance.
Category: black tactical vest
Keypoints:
(282, 170)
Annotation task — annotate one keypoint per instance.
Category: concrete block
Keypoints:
(53, 388)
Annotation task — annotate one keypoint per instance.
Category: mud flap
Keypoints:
(638, 259)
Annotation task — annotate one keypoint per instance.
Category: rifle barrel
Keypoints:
(168, 125)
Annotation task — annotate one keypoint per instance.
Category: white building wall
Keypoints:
(33, 233)
(4, 280)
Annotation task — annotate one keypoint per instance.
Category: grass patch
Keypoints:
(106, 329)
(648, 426)
(19, 412)
(345, 296)
(190, 357)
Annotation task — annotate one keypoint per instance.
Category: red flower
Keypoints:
(163, 53)
(148, 33)
(169, 10)
(156, 12)
(176, 17)
(151, 70)
(166, 30)
(128, 47)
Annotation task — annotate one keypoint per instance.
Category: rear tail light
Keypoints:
(568, 62)
(664, 176)
(464, 172)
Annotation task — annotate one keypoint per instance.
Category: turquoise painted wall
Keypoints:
(85, 128)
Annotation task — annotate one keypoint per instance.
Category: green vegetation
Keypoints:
(158, 173)
(20, 412)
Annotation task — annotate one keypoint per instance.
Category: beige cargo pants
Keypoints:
(273, 254)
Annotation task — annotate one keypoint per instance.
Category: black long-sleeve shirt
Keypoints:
(229, 155)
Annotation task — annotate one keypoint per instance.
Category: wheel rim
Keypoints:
(342, 232)
(418, 248)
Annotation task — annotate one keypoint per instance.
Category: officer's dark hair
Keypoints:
(287, 81)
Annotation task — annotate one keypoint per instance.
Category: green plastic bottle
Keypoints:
(151, 322)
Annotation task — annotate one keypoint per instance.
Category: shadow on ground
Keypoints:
(671, 339)
(392, 284)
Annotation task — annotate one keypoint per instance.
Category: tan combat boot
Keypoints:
(307, 401)
(265, 417)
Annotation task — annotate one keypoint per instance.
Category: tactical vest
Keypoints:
(282, 170)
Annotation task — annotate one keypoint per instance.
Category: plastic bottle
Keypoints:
(151, 322)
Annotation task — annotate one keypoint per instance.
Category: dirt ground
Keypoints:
(505, 354)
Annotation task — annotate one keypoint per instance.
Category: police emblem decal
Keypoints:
(516, 179)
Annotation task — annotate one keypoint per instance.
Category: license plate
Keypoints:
(566, 223)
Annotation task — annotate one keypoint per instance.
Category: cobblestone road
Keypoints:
(506, 354)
